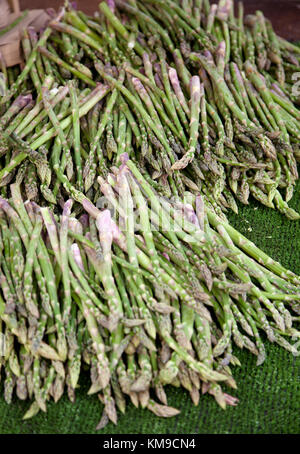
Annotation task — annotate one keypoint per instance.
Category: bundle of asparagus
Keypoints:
(125, 139)
(245, 140)
(126, 309)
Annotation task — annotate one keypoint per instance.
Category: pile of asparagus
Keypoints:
(125, 138)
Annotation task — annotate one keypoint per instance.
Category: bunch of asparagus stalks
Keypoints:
(125, 139)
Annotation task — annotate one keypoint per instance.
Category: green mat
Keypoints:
(269, 394)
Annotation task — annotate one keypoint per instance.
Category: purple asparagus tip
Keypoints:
(90, 208)
(104, 225)
(238, 73)
(158, 81)
(75, 226)
(84, 220)
(22, 100)
(208, 55)
(230, 400)
(77, 256)
(124, 158)
(67, 207)
(199, 202)
(3, 204)
(157, 67)
(191, 215)
(34, 206)
(200, 211)
(111, 4)
(224, 10)
(221, 49)
(32, 33)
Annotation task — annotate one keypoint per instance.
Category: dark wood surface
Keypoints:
(285, 14)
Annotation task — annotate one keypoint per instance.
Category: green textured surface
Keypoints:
(269, 394)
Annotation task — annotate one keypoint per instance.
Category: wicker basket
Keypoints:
(11, 28)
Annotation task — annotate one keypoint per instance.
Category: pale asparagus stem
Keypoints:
(76, 134)
(211, 17)
(169, 96)
(63, 113)
(204, 125)
(31, 250)
(87, 172)
(195, 89)
(95, 96)
(146, 99)
(104, 225)
(148, 67)
(56, 124)
(145, 224)
(17, 262)
(178, 91)
(19, 103)
(26, 44)
(52, 231)
(37, 114)
(263, 89)
(83, 290)
(98, 346)
(63, 240)
(220, 57)
(56, 59)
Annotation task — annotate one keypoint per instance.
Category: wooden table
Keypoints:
(285, 14)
